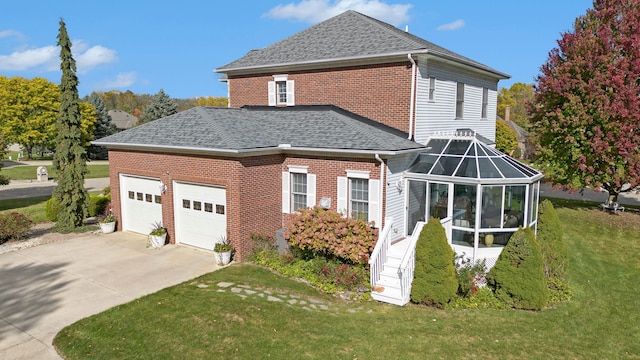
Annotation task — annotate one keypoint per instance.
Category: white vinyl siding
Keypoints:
(395, 196)
(439, 115)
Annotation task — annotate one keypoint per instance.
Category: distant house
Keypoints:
(122, 120)
(521, 133)
(352, 114)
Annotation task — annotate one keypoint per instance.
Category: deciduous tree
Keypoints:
(70, 156)
(587, 102)
(517, 98)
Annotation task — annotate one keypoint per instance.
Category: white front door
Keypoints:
(200, 214)
(141, 203)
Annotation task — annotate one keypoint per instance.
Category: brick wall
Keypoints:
(327, 170)
(379, 92)
(253, 184)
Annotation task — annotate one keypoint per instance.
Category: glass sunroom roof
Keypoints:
(465, 157)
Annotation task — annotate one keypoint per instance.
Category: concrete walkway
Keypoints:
(47, 287)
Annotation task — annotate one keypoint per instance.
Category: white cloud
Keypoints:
(458, 24)
(48, 57)
(315, 11)
(93, 57)
(12, 33)
(22, 60)
(122, 80)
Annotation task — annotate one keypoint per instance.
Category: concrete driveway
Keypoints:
(47, 287)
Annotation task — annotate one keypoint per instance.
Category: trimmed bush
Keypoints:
(329, 234)
(51, 209)
(13, 226)
(98, 205)
(434, 280)
(554, 251)
(517, 277)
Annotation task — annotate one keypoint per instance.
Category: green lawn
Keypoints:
(194, 320)
(28, 172)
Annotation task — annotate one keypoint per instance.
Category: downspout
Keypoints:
(413, 92)
(381, 190)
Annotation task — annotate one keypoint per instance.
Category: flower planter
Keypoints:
(108, 227)
(157, 241)
(223, 258)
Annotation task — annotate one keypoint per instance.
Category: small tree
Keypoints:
(506, 138)
(434, 280)
(517, 277)
(70, 157)
(554, 251)
(160, 106)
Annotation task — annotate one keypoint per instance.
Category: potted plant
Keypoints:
(222, 251)
(108, 224)
(158, 235)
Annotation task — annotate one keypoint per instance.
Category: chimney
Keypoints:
(507, 113)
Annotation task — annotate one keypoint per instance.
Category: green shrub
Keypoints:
(549, 236)
(51, 209)
(13, 226)
(484, 298)
(329, 234)
(434, 277)
(517, 277)
(98, 205)
(559, 290)
(328, 275)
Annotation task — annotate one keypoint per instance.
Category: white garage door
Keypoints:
(141, 203)
(200, 214)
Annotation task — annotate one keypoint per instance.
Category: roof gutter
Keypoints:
(280, 149)
(413, 95)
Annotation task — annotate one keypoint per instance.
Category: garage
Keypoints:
(141, 203)
(200, 214)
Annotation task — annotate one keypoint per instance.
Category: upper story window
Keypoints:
(460, 101)
(432, 88)
(281, 91)
(485, 102)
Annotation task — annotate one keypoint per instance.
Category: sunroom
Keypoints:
(480, 195)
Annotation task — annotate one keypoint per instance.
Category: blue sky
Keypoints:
(147, 46)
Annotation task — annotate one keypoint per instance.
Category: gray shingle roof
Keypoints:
(350, 35)
(248, 129)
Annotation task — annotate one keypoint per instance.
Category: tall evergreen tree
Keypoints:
(70, 156)
(160, 106)
(103, 127)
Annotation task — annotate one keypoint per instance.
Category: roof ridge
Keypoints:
(393, 30)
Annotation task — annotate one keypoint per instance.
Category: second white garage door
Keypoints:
(200, 214)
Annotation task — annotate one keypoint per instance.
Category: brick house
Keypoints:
(351, 114)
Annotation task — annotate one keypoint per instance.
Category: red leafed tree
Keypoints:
(586, 114)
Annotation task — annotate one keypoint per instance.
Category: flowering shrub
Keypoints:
(471, 277)
(328, 275)
(13, 226)
(330, 234)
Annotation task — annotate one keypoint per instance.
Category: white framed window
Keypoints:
(298, 189)
(485, 102)
(432, 88)
(281, 91)
(359, 197)
(460, 100)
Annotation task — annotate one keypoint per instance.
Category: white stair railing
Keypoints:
(379, 254)
(408, 263)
